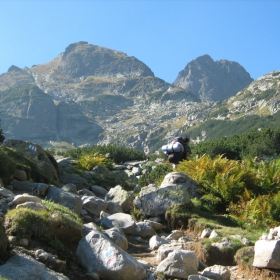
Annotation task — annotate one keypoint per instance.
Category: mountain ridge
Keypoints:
(103, 96)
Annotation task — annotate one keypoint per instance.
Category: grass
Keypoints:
(196, 219)
(56, 225)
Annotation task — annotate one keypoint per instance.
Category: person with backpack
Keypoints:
(178, 150)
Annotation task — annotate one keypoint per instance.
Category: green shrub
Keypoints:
(116, 153)
(88, 162)
(275, 207)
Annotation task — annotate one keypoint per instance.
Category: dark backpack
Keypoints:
(175, 157)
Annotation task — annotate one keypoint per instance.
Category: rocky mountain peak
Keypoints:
(83, 59)
(14, 68)
(213, 80)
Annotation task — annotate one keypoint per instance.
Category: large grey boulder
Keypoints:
(154, 201)
(67, 199)
(122, 197)
(23, 267)
(94, 205)
(179, 264)
(98, 253)
(98, 191)
(156, 241)
(79, 182)
(267, 254)
(30, 187)
(176, 188)
(216, 272)
(144, 229)
(22, 198)
(167, 248)
(182, 179)
(120, 220)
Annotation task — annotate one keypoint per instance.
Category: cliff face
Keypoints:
(213, 80)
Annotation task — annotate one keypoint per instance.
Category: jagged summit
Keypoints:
(213, 80)
(83, 59)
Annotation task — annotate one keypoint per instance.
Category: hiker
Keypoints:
(187, 150)
(178, 150)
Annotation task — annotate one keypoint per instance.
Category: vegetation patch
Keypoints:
(55, 225)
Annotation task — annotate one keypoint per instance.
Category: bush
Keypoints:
(116, 153)
(245, 189)
(265, 142)
(87, 162)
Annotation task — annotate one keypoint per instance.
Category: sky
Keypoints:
(164, 34)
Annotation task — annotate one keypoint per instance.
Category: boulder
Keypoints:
(122, 197)
(22, 198)
(175, 235)
(179, 264)
(216, 272)
(97, 253)
(167, 248)
(119, 220)
(94, 205)
(20, 175)
(70, 188)
(31, 205)
(114, 207)
(30, 187)
(143, 229)
(156, 241)
(267, 254)
(98, 191)
(67, 199)
(155, 201)
(178, 178)
(79, 182)
(21, 266)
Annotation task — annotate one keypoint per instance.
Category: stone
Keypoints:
(94, 205)
(267, 254)
(216, 272)
(165, 249)
(97, 253)
(143, 229)
(20, 175)
(67, 199)
(156, 241)
(79, 182)
(120, 220)
(21, 266)
(122, 197)
(179, 264)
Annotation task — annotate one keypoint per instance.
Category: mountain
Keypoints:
(94, 95)
(213, 80)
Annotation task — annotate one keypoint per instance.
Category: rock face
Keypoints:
(213, 80)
